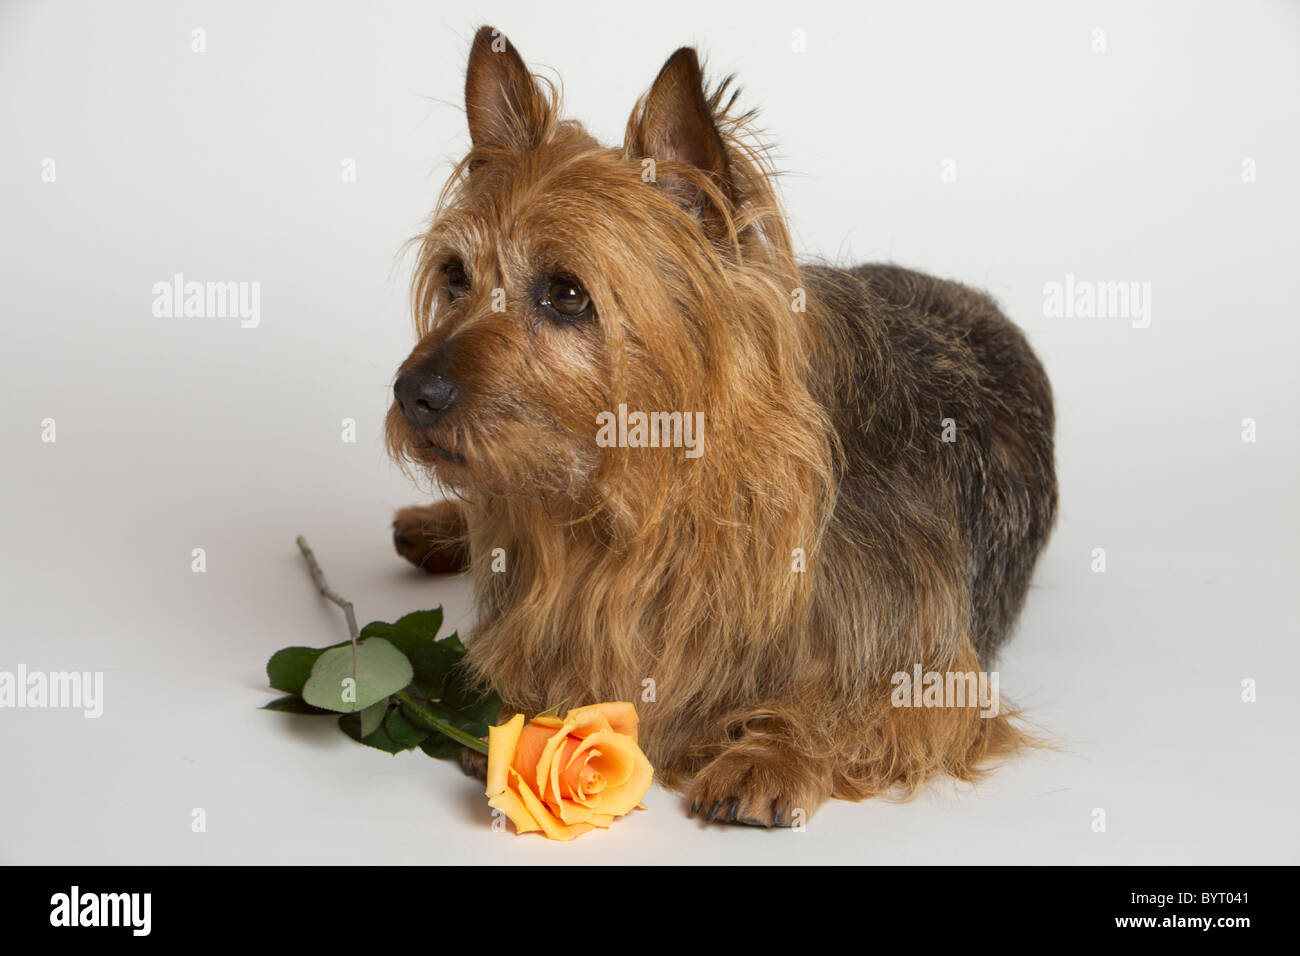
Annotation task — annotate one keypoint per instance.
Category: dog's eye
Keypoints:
(457, 280)
(567, 298)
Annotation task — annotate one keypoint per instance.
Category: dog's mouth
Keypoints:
(427, 446)
(445, 455)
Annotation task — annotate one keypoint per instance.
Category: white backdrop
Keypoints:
(1007, 145)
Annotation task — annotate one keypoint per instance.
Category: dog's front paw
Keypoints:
(765, 787)
(473, 763)
(432, 537)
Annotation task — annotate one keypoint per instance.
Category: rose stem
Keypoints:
(449, 730)
(318, 576)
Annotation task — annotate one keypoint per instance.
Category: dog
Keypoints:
(873, 482)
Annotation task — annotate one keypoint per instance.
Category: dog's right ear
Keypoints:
(502, 101)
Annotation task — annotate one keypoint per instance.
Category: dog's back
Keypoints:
(942, 411)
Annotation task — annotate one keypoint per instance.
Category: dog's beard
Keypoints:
(506, 457)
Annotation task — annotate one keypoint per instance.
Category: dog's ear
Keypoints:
(502, 101)
(673, 121)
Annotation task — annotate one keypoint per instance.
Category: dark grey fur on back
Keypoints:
(926, 357)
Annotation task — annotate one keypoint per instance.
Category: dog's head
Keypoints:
(560, 278)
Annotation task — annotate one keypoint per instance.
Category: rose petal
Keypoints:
(547, 780)
(552, 827)
(567, 781)
(553, 758)
(502, 742)
(620, 800)
(528, 753)
(616, 761)
(619, 715)
(509, 802)
(591, 723)
(582, 782)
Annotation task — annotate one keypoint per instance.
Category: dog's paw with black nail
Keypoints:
(757, 787)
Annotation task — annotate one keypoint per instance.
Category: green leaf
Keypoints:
(425, 624)
(393, 736)
(402, 731)
(413, 634)
(288, 670)
(399, 637)
(409, 632)
(440, 746)
(432, 663)
(293, 704)
(475, 702)
(341, 684)
(553, 711)
(373, 717)
(453, 642)
(350, 724)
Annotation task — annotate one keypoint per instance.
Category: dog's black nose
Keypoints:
(423, 396)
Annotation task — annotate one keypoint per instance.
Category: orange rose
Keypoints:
(565, 777)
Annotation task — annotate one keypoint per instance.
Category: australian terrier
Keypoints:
(870, 484)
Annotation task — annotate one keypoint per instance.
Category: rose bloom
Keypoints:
(567, 776)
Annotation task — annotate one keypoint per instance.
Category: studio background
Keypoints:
(996, 144)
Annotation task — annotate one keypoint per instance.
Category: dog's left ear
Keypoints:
(673, 122)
